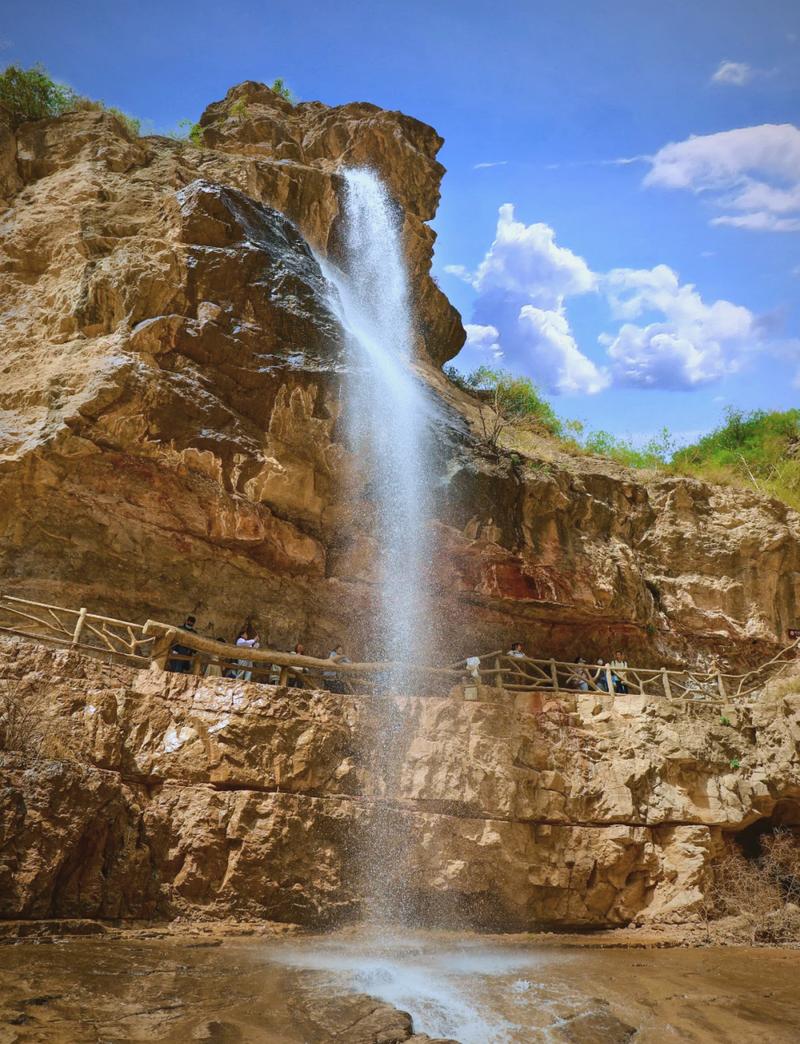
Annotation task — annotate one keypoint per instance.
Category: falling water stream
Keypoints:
(386, 410)
(387, 415)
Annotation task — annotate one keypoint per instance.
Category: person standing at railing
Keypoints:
(580, 676)
(600, 678)
(619, 665)
(294, 681)
(516, 651)
(184, 665)
(247, 639)
(332, 682)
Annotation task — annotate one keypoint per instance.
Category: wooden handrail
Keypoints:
(73, 612)
(517, 672)
(200, 643)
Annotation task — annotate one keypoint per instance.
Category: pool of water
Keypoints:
(469, 988)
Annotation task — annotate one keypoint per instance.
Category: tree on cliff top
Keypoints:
(505, 399)
(279, 87)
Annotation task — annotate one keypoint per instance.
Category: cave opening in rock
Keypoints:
(785, 816)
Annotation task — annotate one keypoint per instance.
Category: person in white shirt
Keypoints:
(248, 639)
(516, 651)
(332, 681)
(618, 665)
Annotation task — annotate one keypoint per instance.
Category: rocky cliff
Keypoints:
(171, 436)
(134, 794)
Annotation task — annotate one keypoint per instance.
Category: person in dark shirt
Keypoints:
(183, 666)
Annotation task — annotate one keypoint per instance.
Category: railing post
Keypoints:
(76, 634)
(610, 680)
(721, 686)
(197, 664)
(665, 683)
(161, 653)
(498, 674)
(283, 677)
(554, 674)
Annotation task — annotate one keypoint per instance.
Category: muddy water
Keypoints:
(474, 989)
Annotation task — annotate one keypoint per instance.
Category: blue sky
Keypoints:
(639, 294)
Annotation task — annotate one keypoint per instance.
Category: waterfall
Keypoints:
(387, 412)
(388, 415)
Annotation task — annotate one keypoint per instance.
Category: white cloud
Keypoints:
(732, 74)
(753, 173)
(687, 343)
(547, 334)
(668, 335)
(521, 286)
(460, 272)
(485, 166)
(525, 260)
(483, 339)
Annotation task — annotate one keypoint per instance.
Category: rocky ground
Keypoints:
(140, 795)
(171, 401)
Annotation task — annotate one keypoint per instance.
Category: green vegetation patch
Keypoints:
(759, 449)
(33, 94)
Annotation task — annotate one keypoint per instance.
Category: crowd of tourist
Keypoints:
(182, 659)
(582, 676)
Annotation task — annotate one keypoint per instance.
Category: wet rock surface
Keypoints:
(214, 989)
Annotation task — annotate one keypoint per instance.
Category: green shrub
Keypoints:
(239, 109)
(188, 130)
(280, 88)
(654, 454)
(132, 124)
(760, 449)
(505, 399)
(32, 94)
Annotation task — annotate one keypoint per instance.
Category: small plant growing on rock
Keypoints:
(188, 130)
(735, 763)
(279, 87)
(239, 109)
(724, 720)
(19, 718)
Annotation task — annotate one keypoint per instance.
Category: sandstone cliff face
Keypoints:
(171, 436)
(139, 794)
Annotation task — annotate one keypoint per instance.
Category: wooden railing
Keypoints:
(525, 674)
(154, 642)
(270, 665)
(76, 627)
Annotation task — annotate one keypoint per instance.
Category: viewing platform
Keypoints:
(152, 644)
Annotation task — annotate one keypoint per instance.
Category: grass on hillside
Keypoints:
(760, 449)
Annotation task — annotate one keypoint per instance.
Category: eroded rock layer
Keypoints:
(145, 795)
(171, 436)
